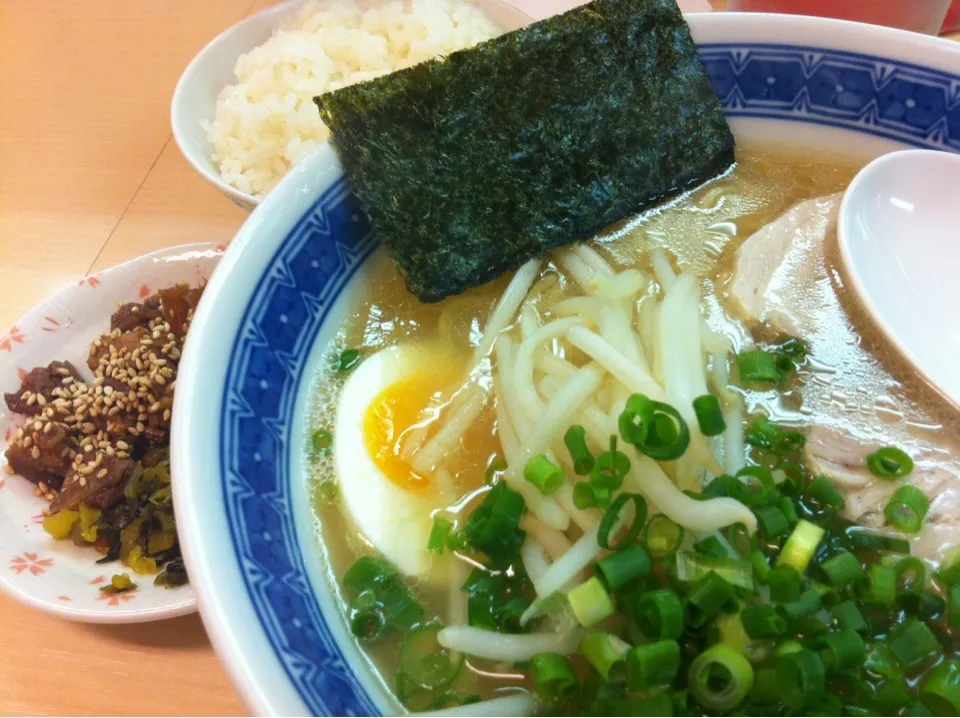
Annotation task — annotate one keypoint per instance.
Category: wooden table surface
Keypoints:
(89, 177)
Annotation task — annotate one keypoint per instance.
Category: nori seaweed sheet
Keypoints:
(471, 164)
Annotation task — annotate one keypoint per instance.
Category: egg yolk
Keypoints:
(396, 409)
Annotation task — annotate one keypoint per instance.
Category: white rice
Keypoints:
(268, 122)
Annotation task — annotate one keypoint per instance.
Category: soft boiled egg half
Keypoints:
(390, 503)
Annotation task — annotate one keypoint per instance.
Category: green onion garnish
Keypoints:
(762, 621)
(606, 653)
(760, 566)
(322, 441)
(842, 650)
(691, 567)
(348, 361)
(784, 582)
(911, 575)
(907, 508)
(653, 664)
(610, 469)
(941, 692)
(590, 602)
(369, 573)
(824, 493)
(720, 678)
(367, 622)
(800, 547)
(709, 416)
(654, 428)
(544, 474)
(710, 595)
(754, 487)
(789, 510)
(495, 467)
(662, 536)
(772, 521)
(808, 602)
(802, 678)
(880, 587)
(761, 432)
(553, 677)
(757, 365)
(624, 566)
(612, 516)
(576, 441)
(861, 538)
(912, 642)
(439, 533)
(400, 606)
(493, 527)
(843, 569)
(848, 616)
(424, 661)
(889, 463)
(585, 496)
(953, 607)
(711, 547)
(659, 614)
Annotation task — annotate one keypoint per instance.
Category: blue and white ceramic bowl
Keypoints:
(279, 292)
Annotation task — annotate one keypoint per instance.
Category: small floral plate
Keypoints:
(57, 576)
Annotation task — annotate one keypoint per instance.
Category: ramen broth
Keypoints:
(701, 231)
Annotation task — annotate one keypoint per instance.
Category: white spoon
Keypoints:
(899, 236)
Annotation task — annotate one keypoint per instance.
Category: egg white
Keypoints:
(395, 521)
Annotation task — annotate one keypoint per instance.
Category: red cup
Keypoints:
(919, 15)
(952, 23)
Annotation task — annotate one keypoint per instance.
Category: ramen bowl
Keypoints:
(249, 535)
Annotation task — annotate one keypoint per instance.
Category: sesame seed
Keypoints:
(27, 440)
(88, 448)
(63, 371)
(102, 473)
(47, 428)
(35, 452)
(140, 427)
(108, 390)
(50, 496)
(41, 399)
(43, 486)
(83, 481)
(86, 469)
(67, 380)
(98, 381)
(159, 379)
(37, 425)
(37, 492)
(9, 469)
(121, 444)
(32, 400)
(45, 511)
(166, 415)
(110, 451)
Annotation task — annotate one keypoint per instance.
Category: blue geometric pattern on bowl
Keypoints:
(898, 101)
(894, 100)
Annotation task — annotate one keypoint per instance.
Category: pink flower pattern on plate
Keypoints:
(117, 599)
(30, 562)
(13, 336)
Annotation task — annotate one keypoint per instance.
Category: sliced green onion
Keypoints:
(590, 602)
(400, 606)
(949, 570)
(710, 595)
(848, 616)
(709, 415)
(322, 441)
(720, 486)
(789, 510)
(916, 709)
(662, 536)
(941, 692)
(655, 428)
(889, 463)
(575, 439)
(720, 678)
(761, 432)
(762, 621)
(367, 622)
(794, 474)
(953, 607)
(711, 547)
(772, 521)
(653, 664)
(612, 517)
(842, 650)
(801, 545)
(755, 487)
(788, 441)
(368, 573)
(766, 688)
(880, 588)
(823, 492)
(437, 541)
(691, 567)
(658, 705)
(611, 468)
(802, 678)
(739, 537)
(636, 419)
(348, 361)
(493, 527)
(923, 605)
(584, 496)
(911, 575)
(861, 538)
(553, 677)
(843, 569)
(757, 365)
(761, 568)
(606, 653)
(659, 614)
(729, 630)
(624, 566)
(424, 661)
(495, 467)
(544, 474)
(784, 582)
(808, 602)
(787, 647)
(458, 541)
(912, 642)
(907, 508)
